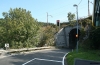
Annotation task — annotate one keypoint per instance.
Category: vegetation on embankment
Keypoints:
(89, 47)
(21, 30)
(83, 54)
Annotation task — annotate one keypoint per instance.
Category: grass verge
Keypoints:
(83, 54)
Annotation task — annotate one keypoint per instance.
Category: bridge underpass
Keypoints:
(73, 38)
(66, 37)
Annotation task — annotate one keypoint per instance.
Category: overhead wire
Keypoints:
(79, 8)
(80, 2)
(75, 12)
(65, 12)
(55, 9)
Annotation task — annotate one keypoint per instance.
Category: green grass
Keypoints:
(82, 54)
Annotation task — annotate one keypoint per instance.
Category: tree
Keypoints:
(71, 17)
(46, 35)
(18, 26)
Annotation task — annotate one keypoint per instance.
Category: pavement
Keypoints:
(40, 57)
(9, 52)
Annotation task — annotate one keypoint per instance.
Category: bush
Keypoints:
(93, 42)
(86, 44)
(82, 34)
(94, 38)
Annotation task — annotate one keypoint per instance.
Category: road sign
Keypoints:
(6, 45)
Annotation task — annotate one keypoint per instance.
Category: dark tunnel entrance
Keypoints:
(72, 38)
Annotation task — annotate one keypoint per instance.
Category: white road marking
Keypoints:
(41, 59)
(48, 60)
(28, 62)
(64, 58)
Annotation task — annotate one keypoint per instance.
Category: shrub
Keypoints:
(86, 44)
(94, 38)
(82, 34)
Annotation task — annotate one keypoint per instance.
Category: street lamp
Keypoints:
(77, 25)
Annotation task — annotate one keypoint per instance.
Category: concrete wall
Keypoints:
(62, 37)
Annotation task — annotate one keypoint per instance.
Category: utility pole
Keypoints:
(88, 9)
(47, 17)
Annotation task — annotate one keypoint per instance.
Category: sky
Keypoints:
(58, 9)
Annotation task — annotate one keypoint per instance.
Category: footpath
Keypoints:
(10, 52)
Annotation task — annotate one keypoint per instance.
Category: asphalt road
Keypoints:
(41, 57)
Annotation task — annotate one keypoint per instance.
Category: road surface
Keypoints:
(41, 57)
